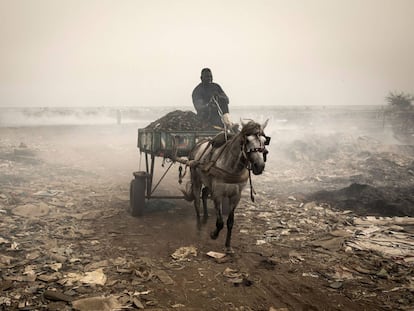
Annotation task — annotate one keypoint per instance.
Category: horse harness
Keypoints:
(210, 168)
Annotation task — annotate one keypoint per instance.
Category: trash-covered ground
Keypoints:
(332, 227)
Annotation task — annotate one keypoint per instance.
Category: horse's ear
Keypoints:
(265, 124)
(242, 123)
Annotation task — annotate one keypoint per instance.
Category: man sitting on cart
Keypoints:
(211, 103)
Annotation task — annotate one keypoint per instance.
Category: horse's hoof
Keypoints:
(229, 251)
(213, 235)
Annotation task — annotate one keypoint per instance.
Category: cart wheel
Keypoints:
(137, 193)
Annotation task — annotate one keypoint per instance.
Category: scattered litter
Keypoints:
(295, 254)
(14, 246)
(235, 277)
(383, 273)
(164, 277)
(371, 220)
(215, 254)
(31, 210)
(93, 277)
(183, 253)
(56, 296)
(336, 285)
(380, 240)
(334, 244)
(47, 193)
(5, 260)
(55, 266)
(231, 273)
(178, 305)
(342, 273)
(311, 274)
(97, 304)
(137, 303)
(265, 215)
(49, 277)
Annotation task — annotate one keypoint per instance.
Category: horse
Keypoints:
(221, 170)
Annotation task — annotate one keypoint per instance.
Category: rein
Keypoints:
(252, 192)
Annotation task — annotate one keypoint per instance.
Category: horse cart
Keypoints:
(219, 167)
(171, 145)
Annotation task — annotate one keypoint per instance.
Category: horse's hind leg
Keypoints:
(219, 221)
(196, 189)
(204, 195)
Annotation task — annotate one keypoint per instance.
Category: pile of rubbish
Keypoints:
(178, 120)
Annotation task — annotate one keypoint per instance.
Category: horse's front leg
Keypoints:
(219, 221)
(197, 206)
(233, 202)
(230, 222)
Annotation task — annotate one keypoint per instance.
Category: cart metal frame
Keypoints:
(167, 144)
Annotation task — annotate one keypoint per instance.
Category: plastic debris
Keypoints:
(183, 253)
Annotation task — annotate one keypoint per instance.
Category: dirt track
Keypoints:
(295, 246)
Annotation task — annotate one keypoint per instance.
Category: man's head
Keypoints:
(206, 75)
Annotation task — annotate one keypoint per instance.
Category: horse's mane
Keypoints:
(251, 128)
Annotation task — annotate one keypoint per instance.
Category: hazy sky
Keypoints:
(262, 52)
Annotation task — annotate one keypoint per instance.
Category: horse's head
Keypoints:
(254, 143)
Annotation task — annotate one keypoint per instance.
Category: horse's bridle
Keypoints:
(246, 151)
(262, 148)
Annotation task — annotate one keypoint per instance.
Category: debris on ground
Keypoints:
(335, 232)
(184, 253)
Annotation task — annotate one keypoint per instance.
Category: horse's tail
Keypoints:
(188, 192)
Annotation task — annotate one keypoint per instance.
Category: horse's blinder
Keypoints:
(267, 142)
(265, 151)
(261, 149)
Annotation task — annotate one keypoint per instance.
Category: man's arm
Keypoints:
(222, 96)
(224, 106)
(200, 106)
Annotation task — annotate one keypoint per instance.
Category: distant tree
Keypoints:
(399, 100)
(401, 115)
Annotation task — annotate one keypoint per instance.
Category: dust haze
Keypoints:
(104, 140)
(139, 53)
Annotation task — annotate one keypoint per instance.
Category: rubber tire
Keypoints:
(137, 197)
